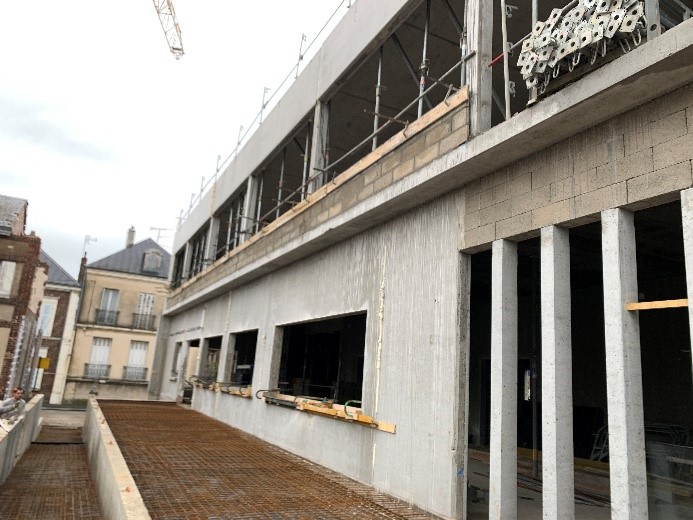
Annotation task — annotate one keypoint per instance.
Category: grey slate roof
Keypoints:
(9, 209)
(56, 274)
(131, 260)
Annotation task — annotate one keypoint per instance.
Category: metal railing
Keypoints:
(96, 370)
(106, 317)
(135, 373)
(144, 321)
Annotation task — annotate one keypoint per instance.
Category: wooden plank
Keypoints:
(662, 304)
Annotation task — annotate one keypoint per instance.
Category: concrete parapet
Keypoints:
(116, 489)
(15, 439)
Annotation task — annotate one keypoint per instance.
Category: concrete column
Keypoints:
(687, 218)
(319, 144)
(479, 74)
(249, 207)
(187, 260)
(462, 398)
(156, 377)
(503, 472)
(623, 369)
(212, 240)
(556, 376)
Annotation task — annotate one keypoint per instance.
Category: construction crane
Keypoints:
(167, 17)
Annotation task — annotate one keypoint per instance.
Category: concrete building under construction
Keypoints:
(457, 273)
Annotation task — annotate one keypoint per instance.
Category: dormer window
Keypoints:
(152, 261)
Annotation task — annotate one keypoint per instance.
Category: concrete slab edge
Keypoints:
(16, 439)
(118, 495)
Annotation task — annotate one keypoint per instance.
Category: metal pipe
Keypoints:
(258, 208)
(378, 92)
(305, 164)
(281, 183)
(409, 65)
(506, 68)
(423, 69)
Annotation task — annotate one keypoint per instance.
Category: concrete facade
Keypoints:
(397, 235)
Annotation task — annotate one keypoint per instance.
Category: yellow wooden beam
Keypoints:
(662, 304)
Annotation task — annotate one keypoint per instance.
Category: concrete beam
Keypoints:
(503, 471)
(687, 218)
(556, 376)
(623, 368)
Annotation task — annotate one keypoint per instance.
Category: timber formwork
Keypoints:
(187, 465)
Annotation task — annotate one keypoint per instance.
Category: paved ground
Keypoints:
(52, 479)
(187, 465)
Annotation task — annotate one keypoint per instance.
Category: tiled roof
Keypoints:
(10, 207)
(56, 274)
(131, 260)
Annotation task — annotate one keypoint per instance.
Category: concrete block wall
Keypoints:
(15, 440)
(447, 133)
(638, 159)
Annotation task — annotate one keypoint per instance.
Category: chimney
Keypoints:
(131, 237)
(82, 268)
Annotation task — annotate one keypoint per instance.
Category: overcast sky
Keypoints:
(101, 128)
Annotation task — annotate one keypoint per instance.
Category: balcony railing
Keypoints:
(106, 317)
(96, 371)
(143, 321)
(135, 373)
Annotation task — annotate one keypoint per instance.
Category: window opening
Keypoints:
(98, 366)
(7, 270)
(324, 359)
(209, 364)
(243, 358)
(107, 313)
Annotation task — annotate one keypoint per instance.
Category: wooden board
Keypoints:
(662, 304)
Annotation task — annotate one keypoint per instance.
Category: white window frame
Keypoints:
(7, 272)
(46, 319)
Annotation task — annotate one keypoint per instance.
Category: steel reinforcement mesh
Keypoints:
(187, 465)
(51, 481)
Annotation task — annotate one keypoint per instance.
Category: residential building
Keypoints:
(56, 326)
(121, 303)
(486, 296)
(22, 279)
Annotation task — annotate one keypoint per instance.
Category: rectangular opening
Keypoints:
(242, 357)
(324, 359)
(209, 364)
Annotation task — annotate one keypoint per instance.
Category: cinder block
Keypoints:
(403, 169)
(562, 189)
(689, 119)
(498, 177)
(500, 193)
(391, 161)
(633, 165)
(495, 213)
(673, 152)
(367, 191)
(555, 213)
(475, 237)
(455, 139)
(599, 154)
(594, 202)
(373, 172)
(679, 99)
(437, 132)
(426, 156)
(486, 198)
(471, 220)
(334, 210)
(543, 176)
(637, 132)
(472, 202)
(521, 203)
(514, 226)
(541, 196)
(660, 182)
(384, 181)
(415, 146)
(668, 128)
(461, 118)
(520, 185)
(563, 168)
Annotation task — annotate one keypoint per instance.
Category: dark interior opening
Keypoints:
(243, 364)
(324, 359)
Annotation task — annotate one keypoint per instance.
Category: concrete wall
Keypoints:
(118, 495)
(16, 439)
(639, 158)
(412, 325)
